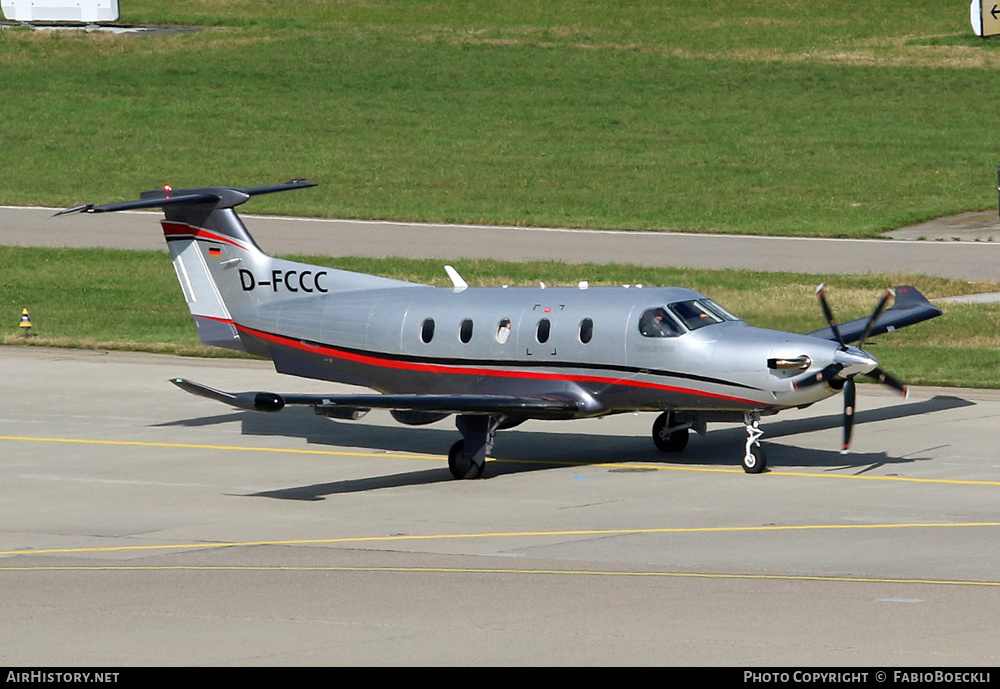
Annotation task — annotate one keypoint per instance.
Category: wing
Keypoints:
(910, 307)
(557, 406)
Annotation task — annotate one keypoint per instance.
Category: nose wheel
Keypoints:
(754, 459)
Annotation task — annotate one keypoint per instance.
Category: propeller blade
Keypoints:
(879, 308)
(884, 378)
(821, 295)
(849, 397)
(818, 377)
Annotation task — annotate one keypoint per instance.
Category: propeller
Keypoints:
(830, 372)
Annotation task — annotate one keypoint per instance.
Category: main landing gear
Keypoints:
(672, 436)
(467, 457)
(668, 435)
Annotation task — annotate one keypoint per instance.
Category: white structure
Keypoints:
(985, 18)
(60, 10)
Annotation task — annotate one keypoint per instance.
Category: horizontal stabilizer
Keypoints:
(910, 307)
(221, 197)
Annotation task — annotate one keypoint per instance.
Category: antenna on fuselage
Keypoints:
(456, 279)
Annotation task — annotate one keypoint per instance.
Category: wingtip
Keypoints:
(82, 208)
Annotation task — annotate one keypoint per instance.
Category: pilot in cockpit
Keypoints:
(656, 323)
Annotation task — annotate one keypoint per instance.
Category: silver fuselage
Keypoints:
(376, 338)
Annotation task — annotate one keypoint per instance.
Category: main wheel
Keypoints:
(460, 465)
(756, 461)
(668, 442)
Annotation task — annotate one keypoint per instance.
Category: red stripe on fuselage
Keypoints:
(372, 360)
(175, 229)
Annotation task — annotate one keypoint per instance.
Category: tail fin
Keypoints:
(222, 272)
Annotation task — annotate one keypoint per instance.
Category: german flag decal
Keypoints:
(214, 251)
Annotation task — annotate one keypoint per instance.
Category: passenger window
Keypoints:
(465, 331)
(503, 330)
(542, 331)
(586, 330)
(427, 330)
(658, 323)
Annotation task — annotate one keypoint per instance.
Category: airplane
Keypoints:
(496, 356)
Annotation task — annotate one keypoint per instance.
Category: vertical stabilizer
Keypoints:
(213, 319)
(225, 277)
(206, 238)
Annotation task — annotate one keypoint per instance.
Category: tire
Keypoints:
(460, 466)
(757, 462)
(670, 442)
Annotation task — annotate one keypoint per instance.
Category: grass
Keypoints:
(98, 298)
(776, 116)
(791, 117)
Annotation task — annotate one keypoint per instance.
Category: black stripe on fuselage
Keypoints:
(509, 364)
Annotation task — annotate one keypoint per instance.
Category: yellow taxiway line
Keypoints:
(502, 534)
(658, 467)
(522, 534)
(506, 570)
(190, 446)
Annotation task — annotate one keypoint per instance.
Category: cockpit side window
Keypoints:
(658, 323)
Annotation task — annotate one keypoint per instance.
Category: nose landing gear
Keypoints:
(671, 435)
(754, 460)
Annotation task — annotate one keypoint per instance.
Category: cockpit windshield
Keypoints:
(698, 313)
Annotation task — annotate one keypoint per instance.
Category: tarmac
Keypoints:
(977, 226)
(142, 526)
(965, 259)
